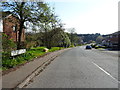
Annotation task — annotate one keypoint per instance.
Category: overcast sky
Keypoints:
(88, 16)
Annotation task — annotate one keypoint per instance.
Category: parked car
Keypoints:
(88, 47)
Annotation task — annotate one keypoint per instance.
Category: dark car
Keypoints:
(88, 47)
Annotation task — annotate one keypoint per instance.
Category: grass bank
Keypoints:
(9, 62)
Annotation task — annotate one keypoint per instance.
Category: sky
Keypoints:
(88, 16)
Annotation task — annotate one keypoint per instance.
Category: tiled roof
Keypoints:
(5, 14)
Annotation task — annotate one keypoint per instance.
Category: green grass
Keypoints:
(55, 49)
(100, 47)
(71, 46)
(38, 48)
(80, 45)
(23, 58)
(0, 68)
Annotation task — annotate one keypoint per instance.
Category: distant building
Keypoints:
(112, 40)
(10, 25)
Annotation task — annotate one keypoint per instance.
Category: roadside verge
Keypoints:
(20, 77)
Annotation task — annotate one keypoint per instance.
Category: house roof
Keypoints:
(118, 32)
(5, 14)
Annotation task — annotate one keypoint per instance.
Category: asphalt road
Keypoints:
(80, 68)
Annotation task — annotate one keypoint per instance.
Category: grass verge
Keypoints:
(9, 62)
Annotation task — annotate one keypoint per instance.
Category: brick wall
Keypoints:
(10, 24)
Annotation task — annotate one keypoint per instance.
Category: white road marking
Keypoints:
(106, 72)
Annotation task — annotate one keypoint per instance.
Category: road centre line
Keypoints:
(105, 72)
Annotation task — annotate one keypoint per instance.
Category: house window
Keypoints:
(15, 28)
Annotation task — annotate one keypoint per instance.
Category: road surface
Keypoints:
(80, 68)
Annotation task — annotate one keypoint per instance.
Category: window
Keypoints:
(15, 28)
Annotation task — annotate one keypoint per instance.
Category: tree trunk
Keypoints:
(47, 40)
(19, 35)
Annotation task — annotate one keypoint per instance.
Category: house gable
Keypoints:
(11, 27)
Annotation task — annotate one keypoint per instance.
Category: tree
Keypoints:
(59, 38)
(47, 22)
(30, 40)
(24, 11)
(77, 40)
(39, 14)
(99, 39)
(88, 37)
(72, 34)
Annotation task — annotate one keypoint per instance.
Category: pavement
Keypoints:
(21, 76)
(110, 52)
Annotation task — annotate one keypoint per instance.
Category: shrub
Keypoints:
(96, 47)
(55, 48)
(5, 55)
(38, 48)
(8, 44)
(8, 62)
(72, 46)
(93, 45)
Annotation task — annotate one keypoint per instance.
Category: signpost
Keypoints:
(17, 52)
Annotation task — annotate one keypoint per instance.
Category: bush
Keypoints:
(9, 62)
(38, 48)
(8, 44)
(72, 46)
(93, 45)
(96, 47)
(79, 44)
(5, 55)
(55, 48)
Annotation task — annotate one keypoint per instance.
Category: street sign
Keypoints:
(17, 52)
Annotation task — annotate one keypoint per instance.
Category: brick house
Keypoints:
(112, 40)
(10, 26)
